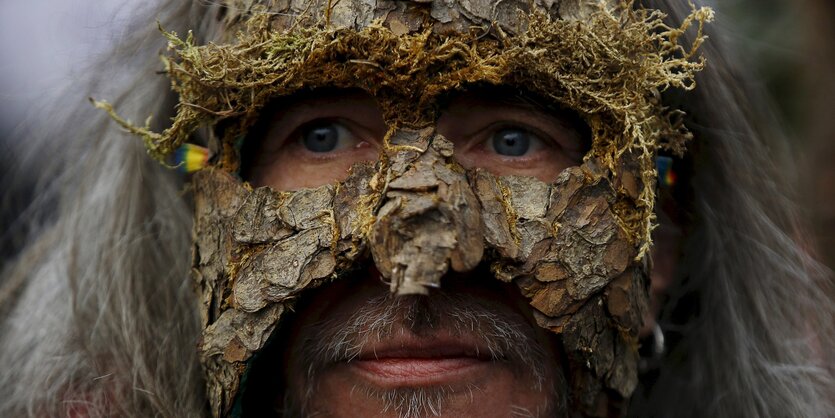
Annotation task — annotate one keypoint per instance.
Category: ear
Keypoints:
(666, 238)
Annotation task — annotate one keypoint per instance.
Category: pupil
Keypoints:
(322, 138)
(511, 142)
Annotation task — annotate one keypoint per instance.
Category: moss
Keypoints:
(610, 69)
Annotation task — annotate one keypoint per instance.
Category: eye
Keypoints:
(511, 142)
(325, 136)
(507, 132)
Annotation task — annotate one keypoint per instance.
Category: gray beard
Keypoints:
(507, 335)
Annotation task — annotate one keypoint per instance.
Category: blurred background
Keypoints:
(44, 46)
(790, 45)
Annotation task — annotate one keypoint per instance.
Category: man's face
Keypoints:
(470, 348)
(411, 181)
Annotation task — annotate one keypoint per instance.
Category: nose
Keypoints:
(428, 220)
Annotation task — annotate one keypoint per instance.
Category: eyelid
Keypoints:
(480, 137)
(357, 131)
(350, 128)
(553, 126)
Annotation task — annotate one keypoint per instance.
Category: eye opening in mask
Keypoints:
(501, 129)
(512, 131)
(522, 98)
(257, 150)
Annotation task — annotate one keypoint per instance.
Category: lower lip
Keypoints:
(416, 372)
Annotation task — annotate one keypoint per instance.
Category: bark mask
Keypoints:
(576, 247)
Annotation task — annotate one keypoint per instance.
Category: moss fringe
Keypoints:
(610, 69)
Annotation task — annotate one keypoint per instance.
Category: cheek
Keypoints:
(294, 169)
(544, 167)
(297, 176)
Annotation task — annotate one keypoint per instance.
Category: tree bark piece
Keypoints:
(419, 215)
(428, 220)
(572, 247)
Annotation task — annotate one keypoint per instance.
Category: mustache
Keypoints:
(484, 319)
(506, 335)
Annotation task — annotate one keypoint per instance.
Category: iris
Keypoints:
(321, 137)
(512, 142)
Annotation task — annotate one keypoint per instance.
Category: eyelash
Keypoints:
(492, 129)
(297, 136)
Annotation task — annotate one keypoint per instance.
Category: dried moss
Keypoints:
(610, 69)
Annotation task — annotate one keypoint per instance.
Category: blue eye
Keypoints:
(321, 137)
(512, 142)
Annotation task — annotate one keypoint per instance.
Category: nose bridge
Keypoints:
(428, 220)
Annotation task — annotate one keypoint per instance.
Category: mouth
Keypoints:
(409, 360)
(354, 342)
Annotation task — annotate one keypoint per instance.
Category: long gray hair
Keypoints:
(98, 316)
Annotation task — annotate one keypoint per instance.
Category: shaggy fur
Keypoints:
(98, 317)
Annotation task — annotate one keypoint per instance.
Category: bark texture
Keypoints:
(418, 214)
(575, 247)
(428, 219)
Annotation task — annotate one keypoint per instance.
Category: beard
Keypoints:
(483, 319)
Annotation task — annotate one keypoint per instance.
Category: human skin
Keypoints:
(442, 360)
(469, 121)
(452, 366)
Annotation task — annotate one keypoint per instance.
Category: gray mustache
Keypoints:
(507, 335)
